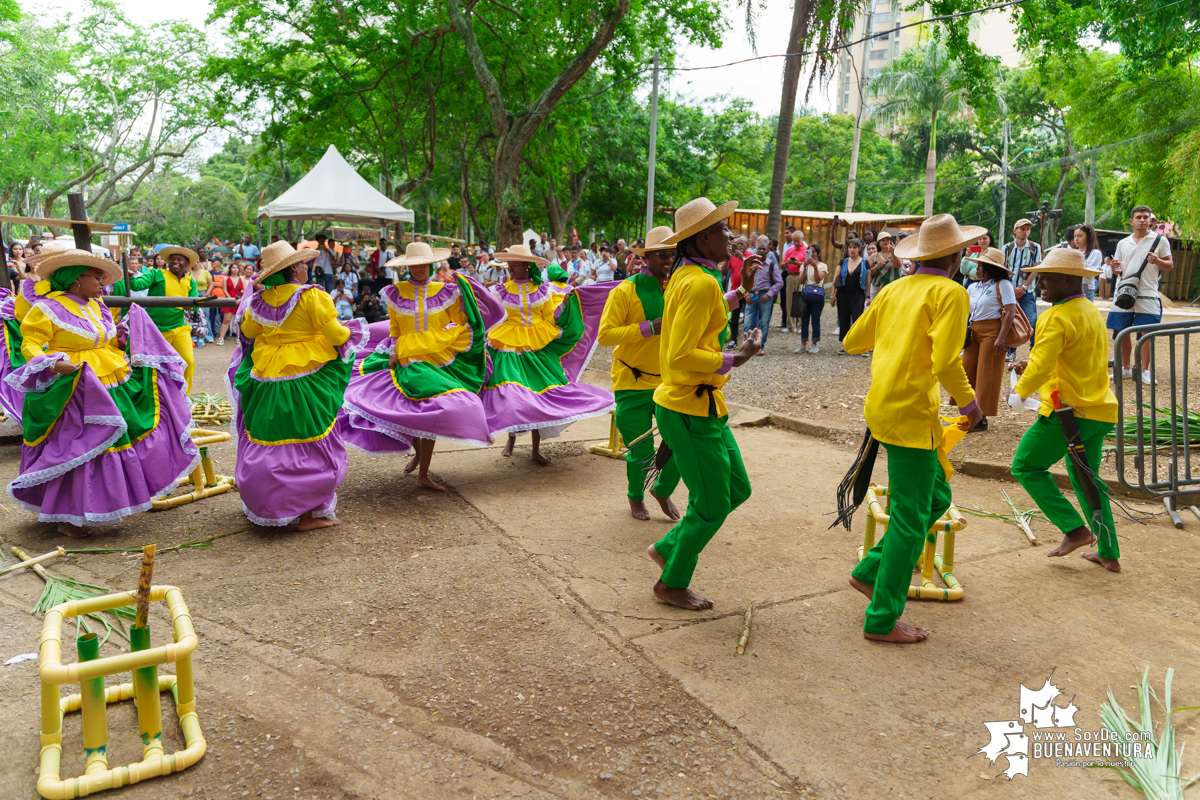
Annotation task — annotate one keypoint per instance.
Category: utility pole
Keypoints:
(1003, 189)
(653, 145)
(862, 85)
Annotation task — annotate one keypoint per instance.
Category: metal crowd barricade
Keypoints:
(1163, 469)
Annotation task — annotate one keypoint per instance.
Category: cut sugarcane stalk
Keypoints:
(143, 590)
(29, 562)
(1020, 518)
(745, 637)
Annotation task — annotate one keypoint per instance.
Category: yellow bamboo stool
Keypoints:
(947, 525)
(204, 480)
(614, 447)
(94, 697)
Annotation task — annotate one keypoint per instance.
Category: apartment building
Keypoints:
(994, 33)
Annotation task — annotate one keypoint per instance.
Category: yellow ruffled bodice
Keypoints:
(306, 339)
(428, 322)
(530, 322)
(42, 334)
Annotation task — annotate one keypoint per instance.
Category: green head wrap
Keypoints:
(535, 273)
(62, 278)
(276, 279)
(556, 274)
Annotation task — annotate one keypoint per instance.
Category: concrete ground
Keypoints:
(501, 640)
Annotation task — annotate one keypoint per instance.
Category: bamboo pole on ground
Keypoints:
(745, 637)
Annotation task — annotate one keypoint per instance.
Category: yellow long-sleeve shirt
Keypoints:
(627, 324)
(303, 342)
(695, 315)
(916, 328)
(1070, 355)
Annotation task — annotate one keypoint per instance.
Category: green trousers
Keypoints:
(1043, 446)
(710, 464)
(917, 495)
(635, 415)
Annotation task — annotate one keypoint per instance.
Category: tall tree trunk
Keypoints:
(787, 113)
(1089, 204)
(931, 167)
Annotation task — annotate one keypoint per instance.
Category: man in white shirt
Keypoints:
(1153, 250)
(325, 264)
(543, 245)
(1019, 256)
(490, 272)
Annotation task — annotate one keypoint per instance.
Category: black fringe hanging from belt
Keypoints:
(637, 373)
(853, 487)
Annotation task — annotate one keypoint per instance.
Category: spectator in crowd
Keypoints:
(348, 257)
(247, 249)
(580, 271)
(455, 260)
(203, 275)
(850, 288)
(886, 266)
(545, 245)
(533, 245)
(369, 307)
(812, 299)
(622, 256)
(1084, 240)
(605, 267)
(343, 301)
(993, 309)
(16, 261)
(375, 263)
(768, 282)
(491, 272)
(986, 241)
(733, 273)
(592, 254)
(794, 256)
(1142, 247)
(325, 264)
(1019, 256)
(348, 277)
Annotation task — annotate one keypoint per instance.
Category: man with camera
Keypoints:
(1136, 265)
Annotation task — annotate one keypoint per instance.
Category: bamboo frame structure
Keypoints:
(614, 447)
(94, 697)
(204, 480)
(949, 523)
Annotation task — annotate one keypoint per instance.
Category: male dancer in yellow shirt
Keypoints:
(916, 327)
(1070, 357)
(174, 281)
(631, 322)
(689, 405)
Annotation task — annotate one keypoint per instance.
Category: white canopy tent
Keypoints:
(333, 190)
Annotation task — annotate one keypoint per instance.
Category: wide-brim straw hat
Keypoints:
(73, 257)
(280, 256)
(186, 252)
(520, 252)
(696, 215)
(939, 236)
(656, 239)
(417, 253)
(48, 249)
(990, 256)
(1066, 261)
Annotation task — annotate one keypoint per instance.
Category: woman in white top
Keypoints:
(1085, 241)
(993, 308)
(606, 266)
(815, 272)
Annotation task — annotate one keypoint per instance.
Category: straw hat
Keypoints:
(696, 215)
(72, 257)
(1066, 261)
(990, 256)
(939, 236)
(279, 256)
(521, 252)
(190, 255)
(417, 253)
(656, 239)
(48, 249)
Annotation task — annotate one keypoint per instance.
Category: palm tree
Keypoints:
(922, 83)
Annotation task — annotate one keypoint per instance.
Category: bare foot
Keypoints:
(666, 505)
(508, 446)
(412, 463)
(74, 531)
(901, 633)
(656, 558)
(638, 509)
(1110, 564)
(1072, 541)
(683, 598)
(865, 588)
(428, 483)
(310, 523)
(539, 458)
